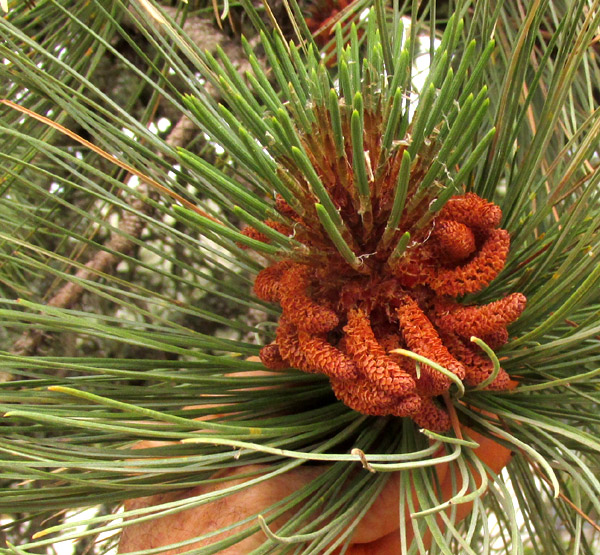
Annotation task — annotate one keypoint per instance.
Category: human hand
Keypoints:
(376, 534)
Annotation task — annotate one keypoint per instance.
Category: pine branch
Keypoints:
(131, 226)
(343, 154)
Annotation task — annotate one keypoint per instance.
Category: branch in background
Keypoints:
(202, 33)
(102, 262)
(132, 224)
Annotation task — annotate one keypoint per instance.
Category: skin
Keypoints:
(376, 534)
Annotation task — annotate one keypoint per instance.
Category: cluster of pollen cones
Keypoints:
(348, 324)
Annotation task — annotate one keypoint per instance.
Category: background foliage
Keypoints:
(159, 315)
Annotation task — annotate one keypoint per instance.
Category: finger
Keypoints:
(380, 524)
(383, 546)
(211, 517)
(492, 454)
(384, 515)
